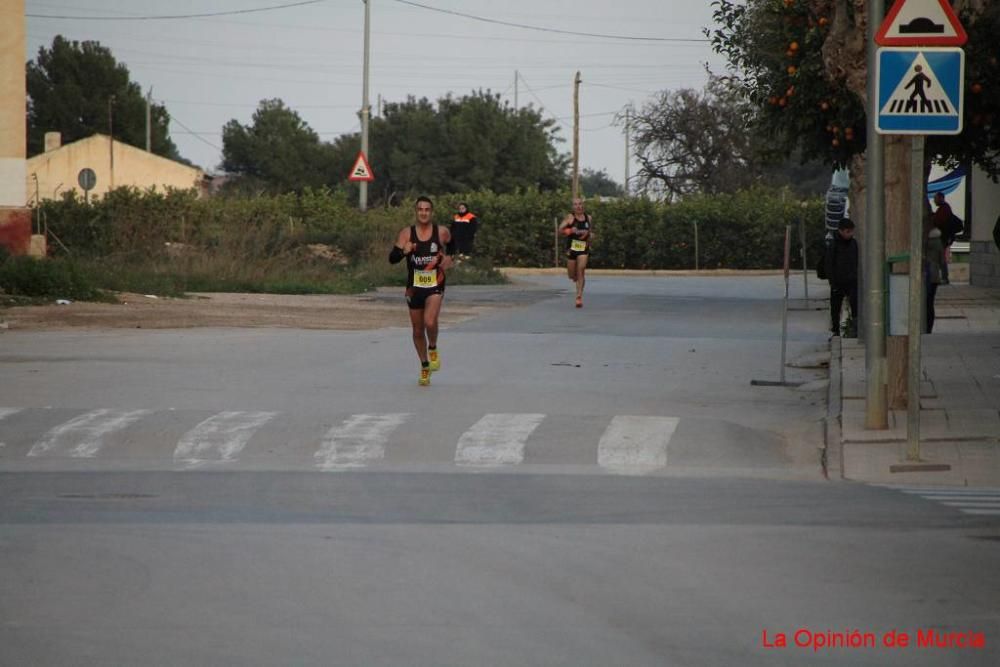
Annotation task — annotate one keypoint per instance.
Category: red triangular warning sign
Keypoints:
(921, 23)
(361, 171)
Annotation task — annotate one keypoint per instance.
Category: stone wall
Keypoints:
(984, 264)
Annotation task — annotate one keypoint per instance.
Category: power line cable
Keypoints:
(553, 30)
(196, 135)
(541, 105)
(176, 16)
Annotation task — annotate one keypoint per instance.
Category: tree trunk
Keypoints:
(897, 242)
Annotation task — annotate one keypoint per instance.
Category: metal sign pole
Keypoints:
(805, 259)
(784, 321)
(784, 303)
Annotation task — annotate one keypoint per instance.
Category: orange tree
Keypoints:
(801, 64)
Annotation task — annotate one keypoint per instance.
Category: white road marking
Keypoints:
(951, 492)
(83, 436)
(497, 439)
(980, 502)
(360, 440)
(4, 413)
(964, 499)
(636, 443)
(219, 438)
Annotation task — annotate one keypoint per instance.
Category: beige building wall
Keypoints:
(984, 256)
(51, 174)
(12, 104)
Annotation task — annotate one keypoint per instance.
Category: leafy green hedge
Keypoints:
(740, 231)
(30, 277)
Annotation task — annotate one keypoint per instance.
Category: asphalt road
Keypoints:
(577, 487)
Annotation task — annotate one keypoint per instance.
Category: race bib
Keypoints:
(577, 245)
(425, 279)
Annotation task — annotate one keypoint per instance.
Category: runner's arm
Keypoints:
(448, 249)
(402, 248)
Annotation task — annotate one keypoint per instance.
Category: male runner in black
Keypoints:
(425, 247)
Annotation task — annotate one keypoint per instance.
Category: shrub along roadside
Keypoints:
(43, 279)
(317, 242)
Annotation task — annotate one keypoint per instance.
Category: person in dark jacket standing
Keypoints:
(464, 226)
(934, 264)
(950, 226)
(841, 263)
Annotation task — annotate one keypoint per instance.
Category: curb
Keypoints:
(833, 450)
(520, 271)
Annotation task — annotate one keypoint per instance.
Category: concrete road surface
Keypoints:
(600, 486)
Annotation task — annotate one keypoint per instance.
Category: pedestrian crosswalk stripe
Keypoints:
(360, 440)
(497, 439)
(636, 442)
(4, 413)
(220, 438)
(83, 436)
(980, 502)
(948, 492)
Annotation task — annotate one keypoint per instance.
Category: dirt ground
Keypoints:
(136, 311)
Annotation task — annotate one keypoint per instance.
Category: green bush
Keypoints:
(172, 242)
(55, 279)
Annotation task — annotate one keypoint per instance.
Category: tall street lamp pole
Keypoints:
(365, 111)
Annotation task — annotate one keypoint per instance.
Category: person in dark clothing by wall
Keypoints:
(841, 264)
(950, 226)
(933, 272)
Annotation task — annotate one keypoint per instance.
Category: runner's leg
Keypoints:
(432, 308)
(419, 332)
(581, 274)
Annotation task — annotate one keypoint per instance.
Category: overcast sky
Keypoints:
(209, 70)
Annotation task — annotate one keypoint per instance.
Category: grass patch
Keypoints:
(288, 269)
(45, 280)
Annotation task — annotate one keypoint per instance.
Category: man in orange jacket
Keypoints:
(463, 230)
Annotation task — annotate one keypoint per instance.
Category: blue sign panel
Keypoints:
(920, 90)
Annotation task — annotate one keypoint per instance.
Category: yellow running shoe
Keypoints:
(425, 377)
(435, 360)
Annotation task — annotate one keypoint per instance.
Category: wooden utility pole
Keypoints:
(149, 121)
(111, 142)
(628, 139)
(365, 108)
(897, 241)
(576, 136)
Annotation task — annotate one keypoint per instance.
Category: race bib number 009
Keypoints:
(425, 279)
(578, 246)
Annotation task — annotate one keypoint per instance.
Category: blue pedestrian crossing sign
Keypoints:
(920, 90)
